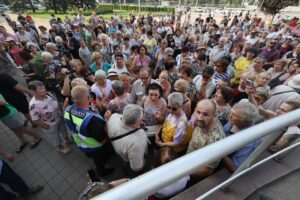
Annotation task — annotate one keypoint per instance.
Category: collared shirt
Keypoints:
(202, 138)
(239, 156)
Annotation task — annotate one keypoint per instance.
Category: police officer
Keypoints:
(88, 129)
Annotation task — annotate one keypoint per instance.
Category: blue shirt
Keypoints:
(239, 156)
(1, 165)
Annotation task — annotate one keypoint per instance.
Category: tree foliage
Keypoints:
(273, 7)
(59, 6)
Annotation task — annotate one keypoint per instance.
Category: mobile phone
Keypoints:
(249, 83)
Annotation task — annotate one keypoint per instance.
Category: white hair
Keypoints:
(99, 74)
(58, 39)
(50, 45)
(47, 55)
(247, 111)
(175, 98)
(132, 113)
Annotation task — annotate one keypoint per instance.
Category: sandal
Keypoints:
(21, 147)
(34, 189)
(35, 143)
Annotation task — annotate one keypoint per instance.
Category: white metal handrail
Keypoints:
(232, 178)
(154, 180)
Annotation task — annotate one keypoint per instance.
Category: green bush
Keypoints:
(103, 10)
(134, 8)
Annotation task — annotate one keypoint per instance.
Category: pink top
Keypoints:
(144, 62)
(15, 53)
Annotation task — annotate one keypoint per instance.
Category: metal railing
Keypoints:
(154, 180)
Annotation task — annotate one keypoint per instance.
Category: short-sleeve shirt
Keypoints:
(105, 67)
(45, 110)
(202, 138)
(98, 92)
(131, 148)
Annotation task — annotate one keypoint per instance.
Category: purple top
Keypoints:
(270, 54)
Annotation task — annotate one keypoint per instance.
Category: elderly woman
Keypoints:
(262, 80)
(182, 87)
(58, 57)
(279, 66)
(221, 70)
(121, 99)
(175, 125)
(81, 71)
(222, 98)
(186, 73)
(98, 63)
(125, 78)
(102, 88)
(257, 68)
(155, 106)
(45, 112)
(106, 49)
(243, 115)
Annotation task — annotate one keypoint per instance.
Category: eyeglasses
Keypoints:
(144, 78)
(174, 109)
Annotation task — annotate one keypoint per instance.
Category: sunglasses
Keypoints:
(174, 109)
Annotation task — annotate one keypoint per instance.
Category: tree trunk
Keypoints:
(31, 5)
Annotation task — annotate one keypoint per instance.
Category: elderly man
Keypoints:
(207, 130)
(88, 129)
(243, 115)
(138, 90)
(219, 51)
(129, 139)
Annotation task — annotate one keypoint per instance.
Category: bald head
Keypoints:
(205, 113)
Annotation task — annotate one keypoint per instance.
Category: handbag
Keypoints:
(4, 111)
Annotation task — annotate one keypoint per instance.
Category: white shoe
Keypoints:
(64, 150)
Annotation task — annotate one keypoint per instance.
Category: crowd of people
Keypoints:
(145, 85)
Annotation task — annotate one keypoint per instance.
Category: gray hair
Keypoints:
(33, 85)
(247, 111)
(99, 74)
(47, 55)
(50, 45)
(175, 98)
(132, 113)
(118, 87)
(58, 39)
(260, 59)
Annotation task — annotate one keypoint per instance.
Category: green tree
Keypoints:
(59, 6)
(273, 7)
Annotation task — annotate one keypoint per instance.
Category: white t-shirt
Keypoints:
(98, 92)
(173, 189)
(118, 70)
(209, 88)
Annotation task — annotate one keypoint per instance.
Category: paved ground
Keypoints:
(64, 176)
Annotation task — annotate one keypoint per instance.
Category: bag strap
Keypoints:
(282, 92)
(124, 135)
